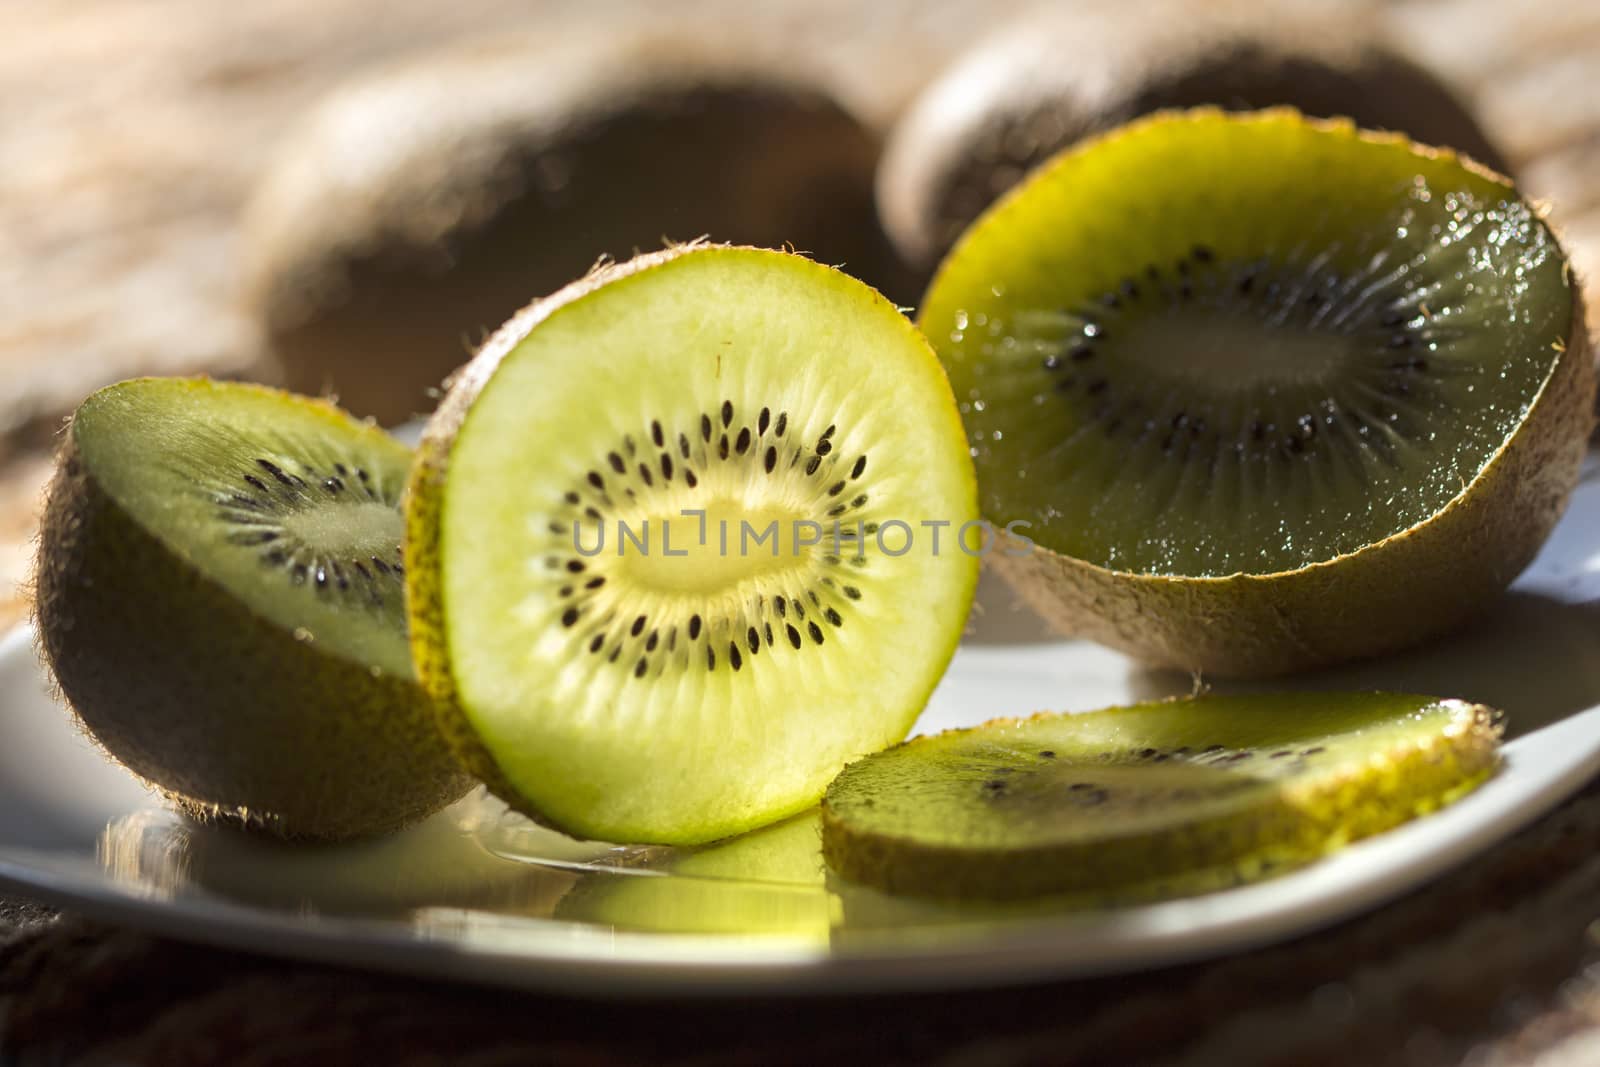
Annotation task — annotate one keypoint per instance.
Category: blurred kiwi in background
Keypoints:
(417, 208)
(1045, 81)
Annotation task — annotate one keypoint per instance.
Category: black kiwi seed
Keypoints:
(794, 636)
(815, 631)
(656, 434)
(782, 424)
(734, 659)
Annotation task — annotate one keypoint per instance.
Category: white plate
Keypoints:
(477, 893)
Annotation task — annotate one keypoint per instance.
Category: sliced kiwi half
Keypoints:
(1168, 798)
(626, 585)
(1039, 85)
(221, 595)
(419, 207)
(1258, 393)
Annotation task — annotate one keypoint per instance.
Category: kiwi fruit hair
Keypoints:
(677, 695)
(417, 209)
(219, 594)
(1033, 88)
(1149, 800)
(1290, 395)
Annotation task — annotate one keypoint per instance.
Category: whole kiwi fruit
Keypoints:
(418, 208)
(1032, 88)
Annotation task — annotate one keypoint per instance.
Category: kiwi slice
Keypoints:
(419, 208)
(1261, 392)
(220, 593)
(1014, 100)
(685, 538)
(1187, 794)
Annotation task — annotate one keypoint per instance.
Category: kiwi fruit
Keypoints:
(1257, 393)
(1036, 87)
(1188, 794)
(220, 594)
(684, 538)
(419, 208)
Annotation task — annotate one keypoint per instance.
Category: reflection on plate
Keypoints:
(480, 893)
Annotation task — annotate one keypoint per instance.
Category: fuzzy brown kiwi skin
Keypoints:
(424, 503)
(1398, 592)
(1140, 868)
(1035, 88)
(228, 714)
(507, 170)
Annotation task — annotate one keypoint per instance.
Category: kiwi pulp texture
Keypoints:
(1159, 798)
(1297, 394)
(726, 405)
(221, 597)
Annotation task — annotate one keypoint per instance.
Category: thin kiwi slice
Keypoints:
(1260, 393)
(1176, 796)
(420, 207)
(685, 538)
(1037, 86)
(221, 597)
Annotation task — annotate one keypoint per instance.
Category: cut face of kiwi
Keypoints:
(1264, 392)
(419, 208)
(625, 580)
(1036, 87)
(1152, 799)
(221, 595)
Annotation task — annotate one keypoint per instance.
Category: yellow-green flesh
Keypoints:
(290, 505)
(1207, 344)
(666, 687)
(1127, 797)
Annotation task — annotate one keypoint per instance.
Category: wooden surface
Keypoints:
(130, 135)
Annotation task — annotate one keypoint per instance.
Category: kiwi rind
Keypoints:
(1413, 585)
(1035, 87)
(509, 167)
(230, 715)
(1183, 858)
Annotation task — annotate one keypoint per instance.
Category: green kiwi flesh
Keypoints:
(220, 594)
(497, 171)
(1264, 392)
(1170, 797)
(1013, 101)
(685, 688)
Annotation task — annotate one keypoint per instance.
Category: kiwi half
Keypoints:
(725, 405)
(1165, 798)
(220, 593)
(1036, 87)
(1260, 393)
(419, 208)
